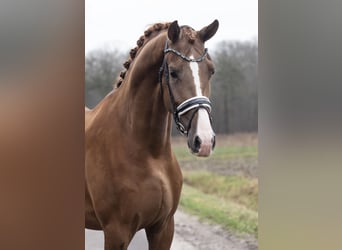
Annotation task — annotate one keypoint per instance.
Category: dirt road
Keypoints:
(190, 234)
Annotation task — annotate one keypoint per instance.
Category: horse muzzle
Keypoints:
(201, 137)
(202, 146)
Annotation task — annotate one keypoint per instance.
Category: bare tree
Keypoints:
(102, 68)
(234, 87)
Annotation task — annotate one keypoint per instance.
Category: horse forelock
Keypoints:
(189, 34)
(151, 32)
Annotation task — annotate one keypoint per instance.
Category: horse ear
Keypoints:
(173, 31)
(209, 31)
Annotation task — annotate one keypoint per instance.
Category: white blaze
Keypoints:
(195, 73)
(204, 129)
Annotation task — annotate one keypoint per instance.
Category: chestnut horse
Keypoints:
(133, 179)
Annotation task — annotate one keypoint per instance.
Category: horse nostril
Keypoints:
(197, 143)
(213, 141)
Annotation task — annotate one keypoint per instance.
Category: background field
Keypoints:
(223, 188)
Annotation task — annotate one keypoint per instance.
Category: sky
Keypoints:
(119, 24)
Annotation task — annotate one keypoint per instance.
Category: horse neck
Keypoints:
(148, 120)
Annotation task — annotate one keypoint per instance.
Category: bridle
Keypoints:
(193, 103)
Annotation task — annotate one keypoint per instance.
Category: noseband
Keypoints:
(193, 103)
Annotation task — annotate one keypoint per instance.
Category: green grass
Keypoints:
(241, 190)
(233, 152)
(220, 153)
(221, 211)
(222, 188)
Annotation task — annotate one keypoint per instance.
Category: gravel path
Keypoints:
(190, 234)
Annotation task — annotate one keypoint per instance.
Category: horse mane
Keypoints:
(151, 32)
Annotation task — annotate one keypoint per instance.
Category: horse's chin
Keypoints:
(201, 155)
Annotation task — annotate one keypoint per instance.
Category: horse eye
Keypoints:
(173, 74)
(212, 71)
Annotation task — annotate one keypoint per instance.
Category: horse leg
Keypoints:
(116, 237)
(160, 238)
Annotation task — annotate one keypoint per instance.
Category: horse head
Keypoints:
(185, 77)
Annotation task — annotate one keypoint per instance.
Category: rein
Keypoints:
(193, 103)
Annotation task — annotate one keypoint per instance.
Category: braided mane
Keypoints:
(151, 32)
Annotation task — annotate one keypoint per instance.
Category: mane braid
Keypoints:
(148, 34)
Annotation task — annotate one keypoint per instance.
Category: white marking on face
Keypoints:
(195, 73)
(204, 129)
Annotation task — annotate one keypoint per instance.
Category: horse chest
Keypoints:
(158, 196)
(158, 192)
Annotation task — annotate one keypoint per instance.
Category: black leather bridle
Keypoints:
(194, 103)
